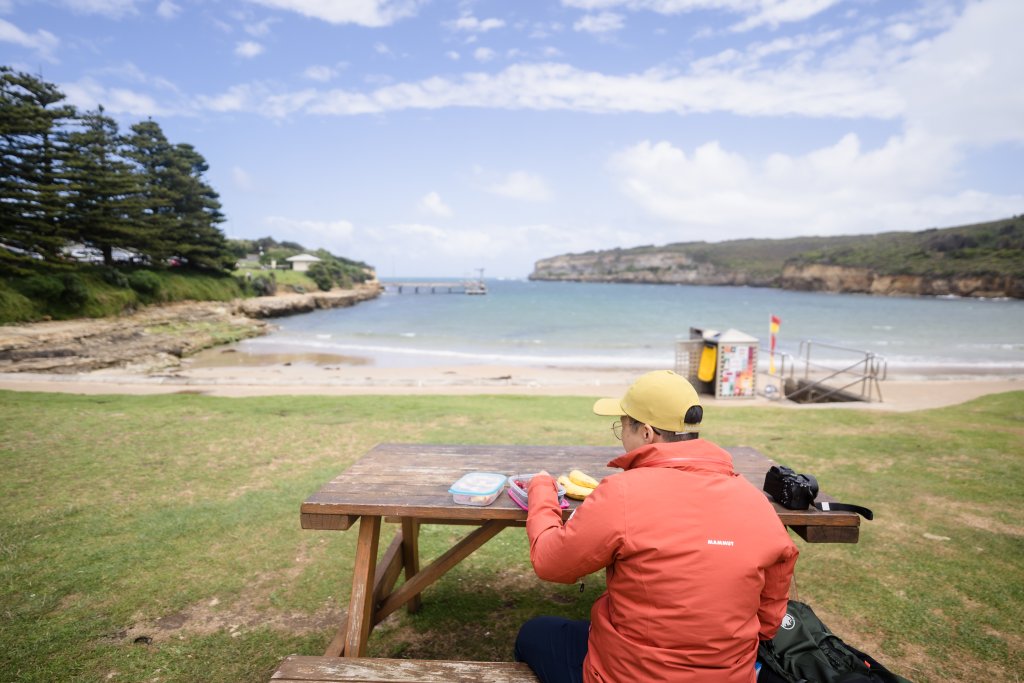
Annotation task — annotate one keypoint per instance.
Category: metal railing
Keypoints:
(855, 379)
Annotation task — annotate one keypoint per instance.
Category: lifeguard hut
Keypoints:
(719, 363)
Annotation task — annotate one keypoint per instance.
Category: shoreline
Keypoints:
(246, 375)
(180, 348)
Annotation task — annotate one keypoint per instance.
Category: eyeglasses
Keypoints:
(617, 429)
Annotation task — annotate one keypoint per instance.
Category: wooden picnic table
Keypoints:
(408, 484)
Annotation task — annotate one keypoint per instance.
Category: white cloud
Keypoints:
(543, 30)
(759, 12)
(452, 55)
(605, 22)
(319, 72)
(501, 249)
(966, 82)
(522, 185)
(774, 13)
(334, 236)
(246, 97)
(372, 13)
(431, 203)
(902, 31)
(42, 41)
(484, 54)
(552, 86)
(88, 94)
(839, 189)
(242, 179)
(248, 49)
(474, 25)
(260, 28)
(111, 8)
(167, 9)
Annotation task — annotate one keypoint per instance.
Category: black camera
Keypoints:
(790, 490)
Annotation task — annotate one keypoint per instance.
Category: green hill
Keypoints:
(983, 259)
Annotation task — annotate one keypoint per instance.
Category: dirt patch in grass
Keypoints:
(250, 610)
(974, 516)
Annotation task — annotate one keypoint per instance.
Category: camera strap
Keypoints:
(826, 506)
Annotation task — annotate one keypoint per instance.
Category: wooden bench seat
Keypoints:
(298, 669)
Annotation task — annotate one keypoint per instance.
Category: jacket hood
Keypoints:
(695, 455)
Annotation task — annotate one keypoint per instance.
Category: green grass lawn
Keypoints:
(173, 521)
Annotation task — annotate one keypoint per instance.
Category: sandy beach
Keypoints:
(155, 351)
(217, 372)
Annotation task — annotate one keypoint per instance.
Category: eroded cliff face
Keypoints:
(679, 268)
(823, 278)
(654, 267)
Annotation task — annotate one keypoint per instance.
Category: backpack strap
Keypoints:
(825, 506)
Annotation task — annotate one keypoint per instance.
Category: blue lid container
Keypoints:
(477, 488)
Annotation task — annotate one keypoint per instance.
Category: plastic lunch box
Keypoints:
(477, 488)
(517, 491)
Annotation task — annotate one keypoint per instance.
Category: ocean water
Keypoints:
(569, 324)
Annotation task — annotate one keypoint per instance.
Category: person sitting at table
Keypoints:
(697, 563)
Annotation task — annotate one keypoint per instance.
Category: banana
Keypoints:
(573, 490)
(582, 479)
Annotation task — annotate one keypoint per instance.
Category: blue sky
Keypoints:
(435, 138)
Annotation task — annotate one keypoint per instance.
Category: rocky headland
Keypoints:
(155, 337)
(984, 260)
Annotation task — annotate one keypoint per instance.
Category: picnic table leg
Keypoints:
(411, 557)
(351, 640)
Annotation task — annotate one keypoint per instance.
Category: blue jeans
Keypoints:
(554, 648)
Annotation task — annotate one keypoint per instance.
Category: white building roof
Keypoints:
(304, 258)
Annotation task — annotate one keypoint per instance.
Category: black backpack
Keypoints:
(805, 651)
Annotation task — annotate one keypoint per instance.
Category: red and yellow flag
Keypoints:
(773, 329)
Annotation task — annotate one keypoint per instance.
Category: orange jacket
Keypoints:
(698, 565)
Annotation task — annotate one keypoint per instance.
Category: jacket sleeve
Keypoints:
(775, 594)
(589, 541)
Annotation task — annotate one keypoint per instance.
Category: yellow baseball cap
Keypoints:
(660, 399)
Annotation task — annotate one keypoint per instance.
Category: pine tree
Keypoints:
(198, 212)
(104, 192)
(183, 209)
(31, 170)
(148, 147)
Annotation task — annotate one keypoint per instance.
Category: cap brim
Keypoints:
(612, 407)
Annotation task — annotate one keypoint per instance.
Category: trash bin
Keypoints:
(719, 363)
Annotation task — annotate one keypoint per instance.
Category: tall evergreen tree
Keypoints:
(104, 192)
(148, 147)
(197, 235)
(179, 205)
(31, 170)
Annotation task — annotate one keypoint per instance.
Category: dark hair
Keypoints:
(667, 435)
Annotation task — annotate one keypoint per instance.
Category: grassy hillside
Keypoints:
(88, 291)
(993, 248)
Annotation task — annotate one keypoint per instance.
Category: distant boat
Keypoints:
(475, 287)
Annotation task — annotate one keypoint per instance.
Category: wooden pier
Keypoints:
(467, 287)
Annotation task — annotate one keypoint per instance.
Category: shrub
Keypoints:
(14, 306)
(145, 282)
(264, 285)
(321, 275)
(113, 276)
(42, 287)
(75, 291)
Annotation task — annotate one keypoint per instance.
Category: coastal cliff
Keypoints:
(665, 267)
(825, 278)
(984, 260)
